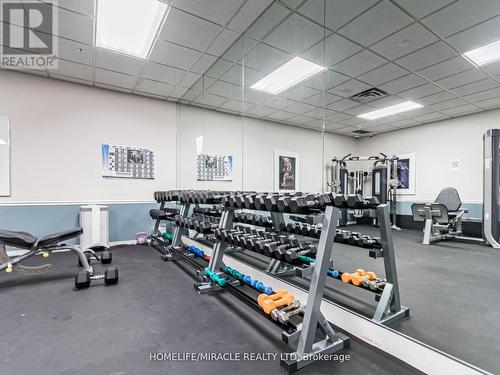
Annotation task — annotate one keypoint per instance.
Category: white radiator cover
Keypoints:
(94, 219)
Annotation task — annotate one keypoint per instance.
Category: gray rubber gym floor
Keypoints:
(49, 328)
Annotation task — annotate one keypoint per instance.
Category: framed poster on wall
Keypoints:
(127, 162)
(211, 167)
(286, 171)
(406, 173)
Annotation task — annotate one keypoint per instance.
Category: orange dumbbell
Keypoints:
(358, 279)
(271, 304)
(264, 297)
(347, 277)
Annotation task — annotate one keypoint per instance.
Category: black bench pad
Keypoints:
(54, 238)
(17, 239)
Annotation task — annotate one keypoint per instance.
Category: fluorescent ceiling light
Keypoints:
(484, 55)
(392, 110)
(294, 71)
(2, 142)
(128, 26)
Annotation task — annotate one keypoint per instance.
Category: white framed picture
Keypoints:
(406, 173)
(286, 171)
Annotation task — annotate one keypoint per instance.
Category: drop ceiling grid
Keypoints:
(425, 81)
(474, 94)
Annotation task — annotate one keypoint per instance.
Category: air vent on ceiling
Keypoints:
(369, 95)
(361, 132)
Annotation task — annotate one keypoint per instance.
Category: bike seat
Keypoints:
(17, 239)
(55, 238)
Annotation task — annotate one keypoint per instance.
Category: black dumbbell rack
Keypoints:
(159, 215)
(304, 339)
(389, 307)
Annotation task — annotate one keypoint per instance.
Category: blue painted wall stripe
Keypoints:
(125, 220)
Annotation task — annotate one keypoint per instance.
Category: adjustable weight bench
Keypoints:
(47, 245)
(443, 218)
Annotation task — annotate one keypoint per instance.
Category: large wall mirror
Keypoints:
(4, 156)
(266, 135)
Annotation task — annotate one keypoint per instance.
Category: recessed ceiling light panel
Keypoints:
(392, 110)
(128, 26)
(484, 55)
(288, 75)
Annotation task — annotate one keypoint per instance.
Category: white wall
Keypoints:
(252, 143)
(435, 145)
(57, 129)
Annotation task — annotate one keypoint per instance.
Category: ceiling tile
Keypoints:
(448, 104)
(381, 21)
(349, 88)
(338, 12)
(115, 79)
(338, 117)
(266, 58)
(326, 80)
(293, 3)
(75, 51)
(446, 68)
(225, 89)
(321, 99)
(188, 30)
(493, 69)
(210, 100)
(237, 106)
(189, 79)
(477, 36)
(300, 119)
(178, 92)
(76, 27)
(203, 63)
(267, 21)
(461, 79)
(71, 79)
(191, 94)
(75, 70)
(334, 49)
(417, 35)
(299, 108)
(418, 92)
(295, 35)
(383, 74)
(356, 111)
(360, 63)
(281, 115)
(385, 102)
(154, 87)
(273, 101)
(248, 14)
(436, 98)
(472, 88)
(223, 42)
(299, 92)
(427, 56)
(489, 103)
(434, 116)
(483, 95)
(461, 110)
(342, 105)
(118, 62)
(260, 110)
(167, 53)
(81, 6)
(404, 123)
(114, 88)
(403, 84)
(422, 8)
(163, 73)
(461, 15)
(217, 69)
(319, 113)
(218, 11)
(239, 48)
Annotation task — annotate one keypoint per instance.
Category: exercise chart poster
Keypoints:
(212, 167)
(127, 162)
